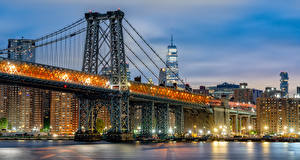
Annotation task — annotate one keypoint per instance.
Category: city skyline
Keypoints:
(217, 37)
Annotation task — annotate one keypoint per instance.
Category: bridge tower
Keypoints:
(92, 60)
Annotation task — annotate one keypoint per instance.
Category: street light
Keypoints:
(171, 131)
(153, 131)
(200, 131)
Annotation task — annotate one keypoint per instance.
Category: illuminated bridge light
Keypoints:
(81, 78)
(65, 77)
(88, 81)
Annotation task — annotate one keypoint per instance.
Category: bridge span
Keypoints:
(122, 98)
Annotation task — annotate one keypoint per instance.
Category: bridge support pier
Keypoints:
(119, 114)
(147, 119)
(162, 120)
(179, 121)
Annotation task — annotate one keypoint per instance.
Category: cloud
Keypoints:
(227, 40)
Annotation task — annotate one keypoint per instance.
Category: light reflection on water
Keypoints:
(202, 150)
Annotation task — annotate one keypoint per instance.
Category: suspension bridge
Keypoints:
(89, 58)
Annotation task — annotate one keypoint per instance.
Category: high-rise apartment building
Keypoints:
(277, 115)
(284, 85)
(24, 106)
(25, 50)
(172, 72)
(64, 112)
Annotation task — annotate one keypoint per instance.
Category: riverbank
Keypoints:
(36, 138)
(188, 140)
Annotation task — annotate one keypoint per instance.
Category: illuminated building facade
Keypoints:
(172, 72)
(284, 85)
(277, 115)
(24, 106)
(64, 113)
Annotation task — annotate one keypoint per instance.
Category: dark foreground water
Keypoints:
(67, 150)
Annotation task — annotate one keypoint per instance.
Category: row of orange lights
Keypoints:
(169, 93)
(52, 74)
(76, 77)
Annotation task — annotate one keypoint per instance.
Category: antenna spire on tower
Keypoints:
(171, 39)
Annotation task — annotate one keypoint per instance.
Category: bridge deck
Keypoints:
(25, 72)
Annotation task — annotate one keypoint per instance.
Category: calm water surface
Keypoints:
(67, 150)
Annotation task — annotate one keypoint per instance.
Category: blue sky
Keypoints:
(218, 40)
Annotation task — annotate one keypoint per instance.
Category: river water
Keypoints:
(67, 150)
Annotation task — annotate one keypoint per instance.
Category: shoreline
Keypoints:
(291, 140)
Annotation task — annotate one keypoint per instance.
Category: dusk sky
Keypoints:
(218, 40)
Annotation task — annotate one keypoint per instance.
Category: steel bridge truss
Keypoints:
(113, 65)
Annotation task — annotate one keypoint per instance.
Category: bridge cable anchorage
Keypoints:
(152, 50)
(137, 58)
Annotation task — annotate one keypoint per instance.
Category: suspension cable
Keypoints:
(52, 41)
(138, 68)
(153, 50)
(105, 39)
(78, 22)
(141, 61)
(141, 48)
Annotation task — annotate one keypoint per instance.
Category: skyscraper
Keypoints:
(172, 71)
(284, 85)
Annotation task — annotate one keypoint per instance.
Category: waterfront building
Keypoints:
(223, 90)
(64, 113)
(172, 71)
(277, 115)
(3, 101)
(246, 95)
(23, 106)
(284, 85)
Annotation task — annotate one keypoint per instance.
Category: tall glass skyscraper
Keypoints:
(284, 84)
(172, 65)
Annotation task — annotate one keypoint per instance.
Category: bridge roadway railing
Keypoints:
(50, 73)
